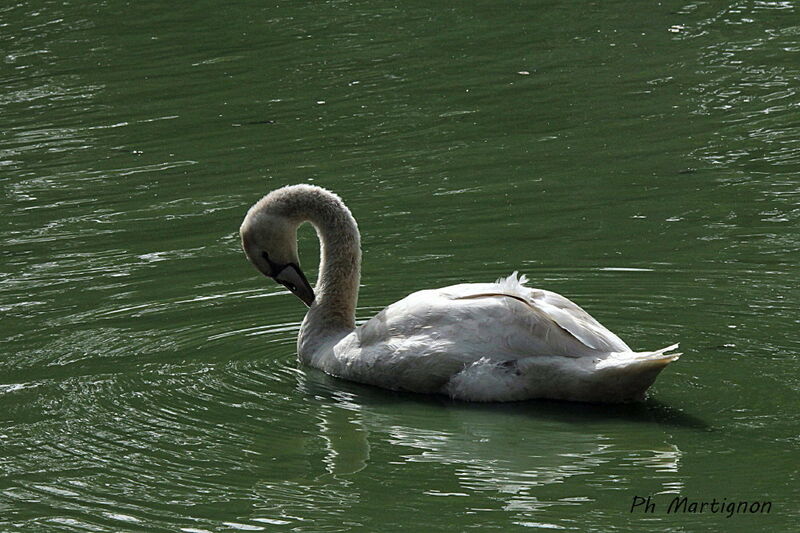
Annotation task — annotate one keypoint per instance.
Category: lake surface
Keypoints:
(642, 159)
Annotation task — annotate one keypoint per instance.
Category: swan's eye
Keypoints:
(274, 268)
(291, 287)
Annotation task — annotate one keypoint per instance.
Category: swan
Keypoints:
(488, 342)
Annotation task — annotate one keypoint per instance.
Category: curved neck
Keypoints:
(336, 289)
(332, 315)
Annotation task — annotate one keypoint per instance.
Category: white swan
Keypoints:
(497, 341)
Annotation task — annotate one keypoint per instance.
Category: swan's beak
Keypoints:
(293, 279)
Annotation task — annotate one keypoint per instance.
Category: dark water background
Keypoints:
(642, 158)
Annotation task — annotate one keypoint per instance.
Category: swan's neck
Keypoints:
(332, 315)
(339, 269)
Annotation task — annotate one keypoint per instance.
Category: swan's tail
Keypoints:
(639, 361)
(633, 372)
(660, 357)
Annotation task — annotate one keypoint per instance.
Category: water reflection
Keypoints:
(511, 452)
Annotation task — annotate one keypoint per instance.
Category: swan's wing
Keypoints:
(552, 306)
(578, 322)
(491, 317)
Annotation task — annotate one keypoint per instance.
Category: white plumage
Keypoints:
(498, 341)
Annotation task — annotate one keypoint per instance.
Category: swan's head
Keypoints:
(270, 243)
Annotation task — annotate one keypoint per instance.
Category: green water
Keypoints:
(641, 158)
